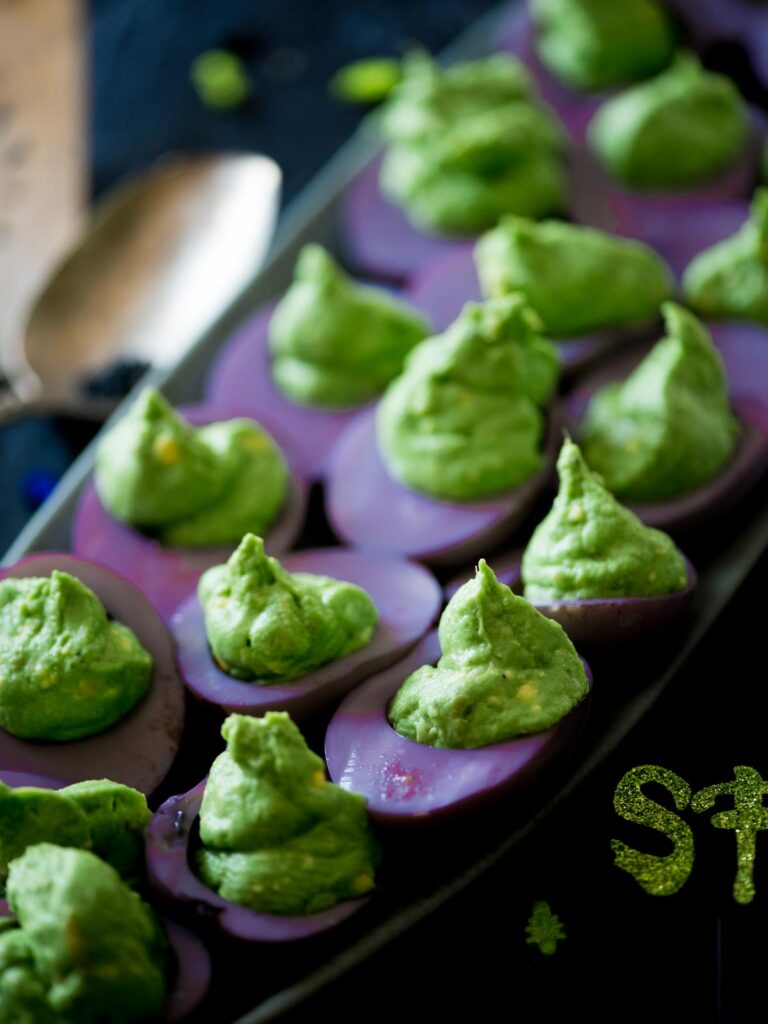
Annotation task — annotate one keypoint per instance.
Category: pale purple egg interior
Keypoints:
(407, 598)
(377, 236)
(170, 872)
(140, 749)
(367, 508)
(410, 783)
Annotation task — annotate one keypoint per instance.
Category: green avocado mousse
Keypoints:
(729, 281)
(66, 669)
(189, 486)
(335, 342)
(83, 948)
(576, 279)
(466, 418)
(589, 546)
(505, 671)
(105, 817)
(266, 624)
(470, 143)
(277, 837)
(597, 44)
(675, 131)
(667, 428)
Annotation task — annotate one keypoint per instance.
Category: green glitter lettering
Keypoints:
(660, 876)
(748, 817)
(544, 929)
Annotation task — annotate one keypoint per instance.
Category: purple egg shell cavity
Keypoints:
(378, 238)
(193, 971)
(242, 375)
(407, 598)
(168, 575)
(410, 783)
(170, 872)
(450, 281)
(369, 509)
(744, 349)
(139, 750)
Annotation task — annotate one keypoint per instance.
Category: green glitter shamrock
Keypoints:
(748, 817)
(220, 79)
(366, 81)
(544, 929)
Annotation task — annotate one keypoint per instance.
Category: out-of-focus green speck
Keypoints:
(544, 929)
(220, 79)
(366, 81)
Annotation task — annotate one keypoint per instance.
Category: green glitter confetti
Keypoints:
(220, 79)
(748, 817)
(366, 81)
(544, 929)
(660, 876)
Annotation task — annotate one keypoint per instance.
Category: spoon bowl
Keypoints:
(159, 260)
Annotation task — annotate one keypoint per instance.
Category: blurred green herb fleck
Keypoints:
(220, 79)
(366, 81)
(544, 929)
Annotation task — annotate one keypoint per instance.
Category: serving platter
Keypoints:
(414, 881)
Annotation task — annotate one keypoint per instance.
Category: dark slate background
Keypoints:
(696, 955)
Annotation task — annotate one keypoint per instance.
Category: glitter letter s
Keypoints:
(660, 876)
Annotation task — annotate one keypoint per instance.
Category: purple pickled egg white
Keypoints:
(757, 43)
(744, 349)
(170, 872)
(661, 218)
(598, 624)
(450, 281)
(193, 971)
(241, 375)
(406, 782)
(377, 237)
(367, 508)
(140, 749)
(18, 779)
(711, 21)
(168, 575)
(515, 35)
(407, 598)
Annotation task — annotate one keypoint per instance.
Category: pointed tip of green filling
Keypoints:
(675, 131)
(277, 836)
(269, 625)
(466, 418)
(668, 427)
(730, 279)
(505, 671)
(335, 342)
(590, 546)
